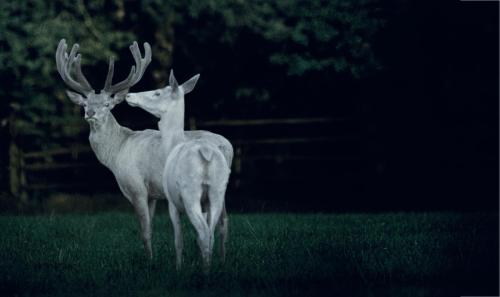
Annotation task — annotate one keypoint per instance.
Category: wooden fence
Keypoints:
(257, 144)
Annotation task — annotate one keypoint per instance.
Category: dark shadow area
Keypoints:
(414, 128)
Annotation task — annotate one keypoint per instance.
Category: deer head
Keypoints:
(158, 102)
(98, 106)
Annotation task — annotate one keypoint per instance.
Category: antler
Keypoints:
(65, 64)
(135, 73)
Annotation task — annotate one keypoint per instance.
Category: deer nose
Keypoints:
(90, 113)
(130, 100)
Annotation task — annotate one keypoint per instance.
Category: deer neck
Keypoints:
(171, 127)
(106, 139)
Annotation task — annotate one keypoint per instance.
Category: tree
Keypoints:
(260, 49)
(32, 89)
(262, 56)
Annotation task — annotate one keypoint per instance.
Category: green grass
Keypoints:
(402, 254)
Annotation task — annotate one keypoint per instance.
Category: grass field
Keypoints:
(401, 254)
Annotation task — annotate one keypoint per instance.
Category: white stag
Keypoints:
(132, 156)
(195, 175)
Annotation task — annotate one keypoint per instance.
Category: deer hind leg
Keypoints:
(142, 211)
(204, 239)
(178, 241)
(222, 228)
(217, 217)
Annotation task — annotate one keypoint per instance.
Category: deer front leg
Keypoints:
(142, 211)
(176, 223)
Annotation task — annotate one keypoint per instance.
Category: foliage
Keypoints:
(302, 36)
(281, 38)
(32, 87)
(272, 53)
(268, 254)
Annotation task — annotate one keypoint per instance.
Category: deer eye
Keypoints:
(106, 104)
(157, 93)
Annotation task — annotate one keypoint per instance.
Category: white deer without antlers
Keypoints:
(195, 175)
(132, 156)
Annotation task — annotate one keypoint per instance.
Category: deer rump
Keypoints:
(196, 175)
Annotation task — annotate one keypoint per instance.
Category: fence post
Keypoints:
(237, 160)
(237, 166)
(192, 123)
(17, 177)
(14, 169)
(23, 185)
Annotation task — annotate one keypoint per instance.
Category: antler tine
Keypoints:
(61, 59)
(141, 63)
(136, 72)
(65, 63)
(61, 47)
(74, 59)
(125, 84)
(79, 74)
(109, 76)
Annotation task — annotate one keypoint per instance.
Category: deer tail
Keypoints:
(207, 153)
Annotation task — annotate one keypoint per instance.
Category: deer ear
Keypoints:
(173, 82)
(75, 97)
(188, 86)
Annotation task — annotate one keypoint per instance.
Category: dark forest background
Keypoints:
(411, 89)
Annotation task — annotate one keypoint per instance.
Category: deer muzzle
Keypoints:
(90, 113)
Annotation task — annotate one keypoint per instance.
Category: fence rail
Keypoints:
(30, 169)
(58, 151)
(260, 122)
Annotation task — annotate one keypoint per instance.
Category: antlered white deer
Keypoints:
(132, 156)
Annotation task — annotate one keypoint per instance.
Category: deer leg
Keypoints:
(200, 224)
(223, 222)
(178, 241)
(142, 211)
(152, 209)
